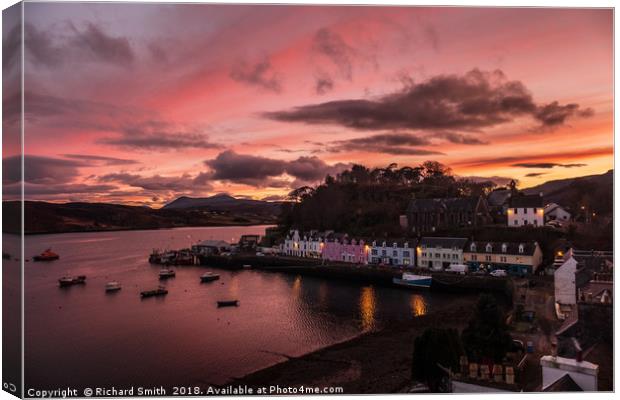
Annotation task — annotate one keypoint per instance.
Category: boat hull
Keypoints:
(422, 283)
(231, 303)
(209, 278)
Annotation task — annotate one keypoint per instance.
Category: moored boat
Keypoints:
(247, 266)
(47, 255)
(113, 286)
(228, 303)
(166, 273)
(71, 280)
(209, 277)
(414, 281)
(160, 291)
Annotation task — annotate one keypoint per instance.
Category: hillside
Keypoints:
(594, 191)
(43, 217)
(224, 202)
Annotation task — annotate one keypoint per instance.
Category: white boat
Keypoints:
(247, 266)
(414, 281)
(209, 276)
(112, 286)
(166, 273)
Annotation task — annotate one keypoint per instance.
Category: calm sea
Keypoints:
(82, 337)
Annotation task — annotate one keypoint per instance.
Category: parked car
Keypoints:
(498, 273)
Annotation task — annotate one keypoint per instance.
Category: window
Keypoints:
(473, 247)
(487, 258)
(384, 252)
(395, 253)
(503, 247)
(502, 259)
(437, 255)
(535, 222)
(406, 254)
(374, 252)
(489, 248)
(455, 256)
(474, 257)
(521, 249)
(406, 261)
(516, 222)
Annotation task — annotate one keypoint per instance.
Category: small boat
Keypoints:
(47, 255)
(112, 286)
(71, 280)
(160, 291)
(414, 281)
(247, 266)
(209, 277)
(228, 303)
(166, 273)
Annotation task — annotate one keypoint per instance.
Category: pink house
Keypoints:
(346, 250)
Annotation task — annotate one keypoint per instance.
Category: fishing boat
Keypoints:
(113, 286)
(47, 255)
(160, 291)
(228, 303)
(166, 273)
(71, 280)
(414, 281)
(209, 277)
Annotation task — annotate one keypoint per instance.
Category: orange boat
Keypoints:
(47, 255)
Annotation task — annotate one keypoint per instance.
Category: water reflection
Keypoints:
(297, 287)
(367, 307)
(418, 305)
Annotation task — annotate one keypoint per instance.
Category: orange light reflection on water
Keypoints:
(367, 308)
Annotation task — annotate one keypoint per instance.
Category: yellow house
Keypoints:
(516, 258)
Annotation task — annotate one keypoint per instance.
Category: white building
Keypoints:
(438, 253)
(564, 281)
(303, 245)
(555, 212)
(392, 252)
(580, 374)
(526, 210)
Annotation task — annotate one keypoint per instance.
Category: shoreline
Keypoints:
(370, 363)
(136, 229)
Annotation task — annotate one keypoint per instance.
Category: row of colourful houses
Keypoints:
(435, 253)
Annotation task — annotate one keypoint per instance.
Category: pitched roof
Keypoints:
(399, 242)
(526, 200)
(498, 197)
(496, 247)
(443, 204)
(443, 242)
(564, 384)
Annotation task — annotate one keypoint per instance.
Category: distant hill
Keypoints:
(224, 202)
(43, 217)
(594, 190)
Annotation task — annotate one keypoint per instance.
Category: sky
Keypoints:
(142, 103)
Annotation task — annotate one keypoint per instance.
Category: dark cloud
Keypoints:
(331, 45)
(247, 169)
(459, 138)
(92, 43)
(101, 160)
(56, 191)
(535, 174)
(267, 172)
(161, 141)
(156, 183)
(11, 46)
(323, 84)
(547, 165)
(445, 102)
(260, 75)
(553, 114)
(389, 143)
(274, 197)
(40, 170)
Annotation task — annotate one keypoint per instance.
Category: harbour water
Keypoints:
(82, 337)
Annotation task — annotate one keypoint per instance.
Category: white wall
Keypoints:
(525, 216)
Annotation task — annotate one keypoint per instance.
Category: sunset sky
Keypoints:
(139, 104)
